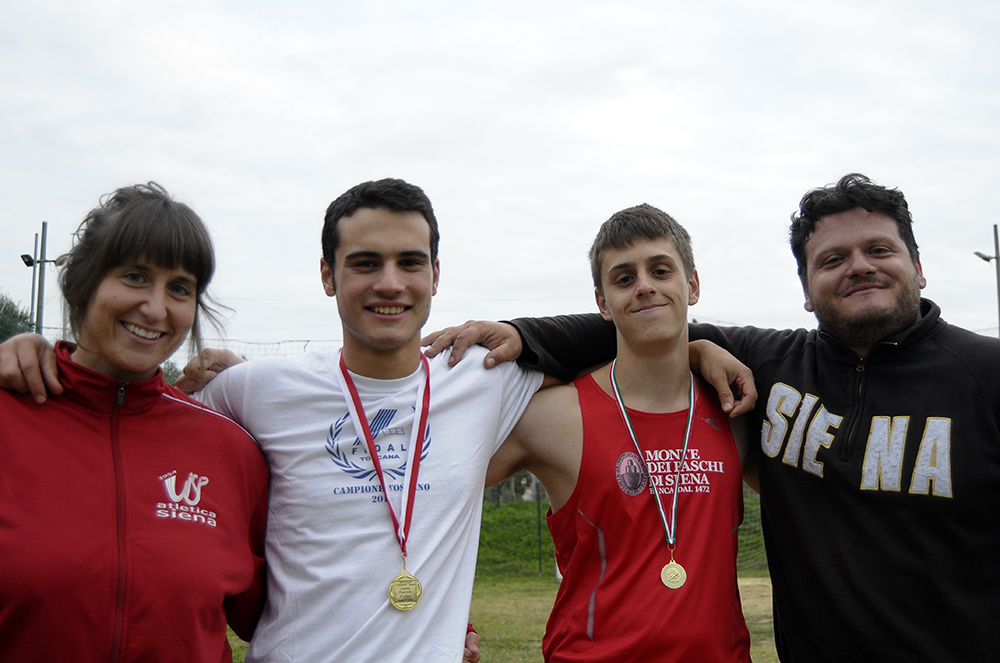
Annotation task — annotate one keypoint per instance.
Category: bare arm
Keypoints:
(28, 365)
(748, 461)
(729, 377)
(547, 441)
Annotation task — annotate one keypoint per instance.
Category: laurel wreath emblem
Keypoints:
(361, 473)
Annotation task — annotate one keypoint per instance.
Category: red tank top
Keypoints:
(610, 542)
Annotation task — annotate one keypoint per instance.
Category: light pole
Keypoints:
(32, 261)
(996, 260)
(37, 263)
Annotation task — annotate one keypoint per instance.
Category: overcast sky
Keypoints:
(527, 123)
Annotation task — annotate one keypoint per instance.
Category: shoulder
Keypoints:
(219, 423)
(755, 344)
(472, 371)
(273, 372)
(553, 409)
(979, 354)
(472, 362)
(966, 338)
(559, 396)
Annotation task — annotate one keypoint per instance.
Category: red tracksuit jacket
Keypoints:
(132, 524)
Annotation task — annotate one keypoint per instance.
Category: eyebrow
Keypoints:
(375, 254)
(148, 266)
(663, 257)
(869, 242)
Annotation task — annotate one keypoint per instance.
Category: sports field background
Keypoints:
(516, 580)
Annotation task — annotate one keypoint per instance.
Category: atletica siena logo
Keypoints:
(190, 494)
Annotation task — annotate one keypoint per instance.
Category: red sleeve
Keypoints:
(243, 610)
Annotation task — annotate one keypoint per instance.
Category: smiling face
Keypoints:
(860, 280)
(138, 315)
(646, 291)
(383, 278)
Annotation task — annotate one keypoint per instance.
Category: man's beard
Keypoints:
(867, 327)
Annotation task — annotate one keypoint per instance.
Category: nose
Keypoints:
(154, 308)
(390, 280)
(859, 263)
(644, 284)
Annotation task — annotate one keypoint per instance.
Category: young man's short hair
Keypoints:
(391, 194)
(639, 222)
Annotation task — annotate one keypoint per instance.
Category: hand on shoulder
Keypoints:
(501, 339)
(206, 367)
(28, 365)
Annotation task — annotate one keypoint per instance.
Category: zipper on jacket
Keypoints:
(116, 644)
(845, 449)
(848, 446)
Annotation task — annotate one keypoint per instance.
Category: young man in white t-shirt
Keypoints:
(336, 530)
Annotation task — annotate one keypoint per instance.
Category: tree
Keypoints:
(13, 319)
(171, 372)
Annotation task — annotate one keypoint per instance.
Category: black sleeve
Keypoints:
(717, 335)
(751, 345)
(565, 345)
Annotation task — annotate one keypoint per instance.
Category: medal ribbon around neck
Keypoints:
(360, 420)
(670, 531)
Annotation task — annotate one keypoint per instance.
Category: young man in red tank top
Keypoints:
(642, 471)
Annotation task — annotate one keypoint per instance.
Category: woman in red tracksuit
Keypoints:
(132, 519)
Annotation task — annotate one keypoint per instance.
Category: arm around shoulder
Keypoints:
(566, 345)
(28, 365)
(205, 367)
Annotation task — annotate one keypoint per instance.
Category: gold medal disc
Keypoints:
(673, 575)
(405, 591)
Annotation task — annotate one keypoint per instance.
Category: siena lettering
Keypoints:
(932, 473)
(790, 419)
(884, 454)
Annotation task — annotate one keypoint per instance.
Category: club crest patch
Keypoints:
(630, 473)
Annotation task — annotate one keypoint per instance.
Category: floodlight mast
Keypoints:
(996, 261)
(37, 262)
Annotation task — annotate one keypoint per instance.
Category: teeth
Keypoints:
(388, 310)
(138, 331)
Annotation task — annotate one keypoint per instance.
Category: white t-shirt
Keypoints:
(331, 548)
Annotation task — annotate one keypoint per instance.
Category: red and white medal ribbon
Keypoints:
(360, 420)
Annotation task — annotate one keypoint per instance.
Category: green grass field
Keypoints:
(510, 614)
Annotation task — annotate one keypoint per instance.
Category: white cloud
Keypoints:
(527, 123)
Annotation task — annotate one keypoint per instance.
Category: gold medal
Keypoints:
(405, 591)
(673, 575)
